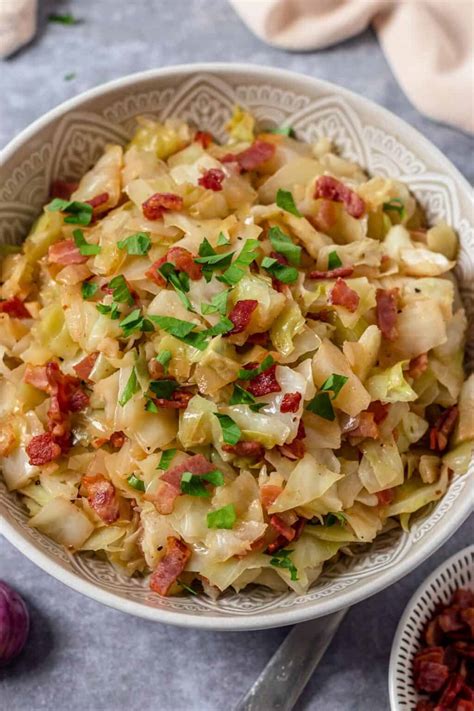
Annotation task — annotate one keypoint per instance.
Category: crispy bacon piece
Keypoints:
(290, 402)
(418, 365)
(386, 312)
(241, 315)
(343, 295)
(296, 448)
(84, 368)
(332, 189)
(62, 189)
(212, 179)
(42, 449)
(449, 620)
(269, 493)
(178, 401)
(385, 497)
(204, 138)
(465, 649)
(283, 529)
(170, 566)
(452, 689)
(170, 484)
(117, 439)
(102, 497)
(14, 307)
(157, 204)
(98, 200)
(257, 339)
(66, 252)
(253, 450)
(154, 275)
(339, 272)
(379, 409)
(444, 425)
(264, 383)
(463, 598)
(155, 369)
(253, 157)
(366, 426)
(424, 705)
(430, 676)
(183, 260)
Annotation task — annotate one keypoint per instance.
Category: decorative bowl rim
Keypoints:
(410, 607)
(284, 616)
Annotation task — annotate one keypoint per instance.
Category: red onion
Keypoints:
(14, 623)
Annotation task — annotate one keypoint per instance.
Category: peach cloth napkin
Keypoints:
(429, 44)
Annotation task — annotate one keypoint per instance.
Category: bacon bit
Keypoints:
(98, 200)
(14, 307)
(170, 566)
(332, 189)
(366, 426)
(178, 401)
(444, 425)
(184, 261)
(155, 369)
(84, 368)
(62, 189)
(337, 273)
(269, 493)
(296, 448)
(325, 315)
(281, 259)
(170, 482)
(418, 365)
(241, 315)
(463, 598)
(326, 216)
(254, 450)
(343, 295)
(385, 497)
(155, 206)
(386, 312)
(264, 383)
(380, 411)
(212, 179)
(64, 390)
(154, 275)
(453, 688)
(204, 138)
(283, 529)
(42, 449)
(290, 402)
(66, 252)
(253, 157)
(117, 439)
(430, 676)
(257, 339)
(102, 497)
(7, 439)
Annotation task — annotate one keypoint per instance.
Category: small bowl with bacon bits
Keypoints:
(432, 660)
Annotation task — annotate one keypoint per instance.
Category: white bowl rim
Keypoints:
(286, 616)
(410, 606)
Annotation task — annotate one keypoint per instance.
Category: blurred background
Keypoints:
(81, 655)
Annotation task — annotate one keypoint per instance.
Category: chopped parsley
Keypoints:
(132, 387)
(165, 459)
(283, 131)
(222, 518)
(243, 397)
(287, 275)
(137, 244)
(194, 484)
(281, 559)
(186, 587)
(230, 429)
(222, 240)
(136, 483)
(395, 205)
(164, 388)
(120, 291)
(179, 280)
(333, 260)
(284, 245)
(88, 289)
(218, 304)
(110, 310)
(135, 322)
(84, 247)
(285, 200)
(78, 213)
(266, 363)
(164, 358)
(65, 19)
(321, 403)
(174, 326)
(334, 518)
(237, 269)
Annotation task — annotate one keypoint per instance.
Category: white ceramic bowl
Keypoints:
(65, 142)
(438, 588)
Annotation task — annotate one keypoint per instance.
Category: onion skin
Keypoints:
(14, 623)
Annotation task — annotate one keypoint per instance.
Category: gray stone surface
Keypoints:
(81, 655)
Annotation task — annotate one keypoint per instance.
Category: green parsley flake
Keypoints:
(164, 388)
(321, 404)
(136, 483)
(150, 406)
(237, 270)
(132, 387)
(66, 19)
(336, 517)
(218, 304)
(137, 244)
(395, 205)
(222, 518)
(283, 131)
(88, 289)
(222, 240)
(165, 459)
(281, 559)
(79, 213)
(120, 291)
(287, 275)
(230, 429)
(135, 322)
(164, 358)
(266, 363)
(194, 485)
(110, 310)
(84, 247)
(334, 383)
(333, 260)
(284, 200)
(284, 245)
(186, 587)
(174, 326)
